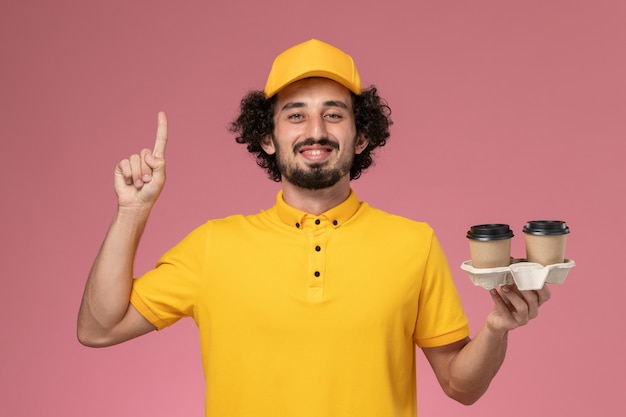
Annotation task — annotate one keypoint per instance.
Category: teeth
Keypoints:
(315, 152)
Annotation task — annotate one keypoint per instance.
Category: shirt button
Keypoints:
(317, 273)
(335, 222)
(298, 225)
(317, 221)
(317, 248)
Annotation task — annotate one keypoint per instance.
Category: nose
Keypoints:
(316, 127)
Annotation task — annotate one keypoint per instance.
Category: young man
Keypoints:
(314, 306)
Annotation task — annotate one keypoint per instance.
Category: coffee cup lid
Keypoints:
(486, 232)
(546, 227)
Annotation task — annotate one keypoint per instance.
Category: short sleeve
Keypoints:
(441, 319)
(170, 291)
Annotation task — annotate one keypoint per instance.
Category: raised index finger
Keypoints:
(161, 136)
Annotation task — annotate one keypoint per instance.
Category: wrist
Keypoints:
(495, 332)
(132, 216)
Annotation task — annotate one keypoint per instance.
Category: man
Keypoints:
(313, 307)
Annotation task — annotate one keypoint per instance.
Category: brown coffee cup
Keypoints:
(545, 241)
(490, 245)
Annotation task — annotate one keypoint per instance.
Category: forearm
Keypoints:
(465, 368)
(474, 367)
(107, 291)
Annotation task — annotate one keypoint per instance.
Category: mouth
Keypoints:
(316, 152)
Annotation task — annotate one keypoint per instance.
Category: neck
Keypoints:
(316, 202)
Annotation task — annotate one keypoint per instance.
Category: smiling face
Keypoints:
(315, 136)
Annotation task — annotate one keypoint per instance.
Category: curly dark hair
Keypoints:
(372, 117)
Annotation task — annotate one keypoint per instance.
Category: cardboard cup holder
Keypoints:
(526, 275)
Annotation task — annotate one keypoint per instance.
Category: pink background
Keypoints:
(504, 111)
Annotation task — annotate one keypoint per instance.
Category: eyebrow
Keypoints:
(329, 103)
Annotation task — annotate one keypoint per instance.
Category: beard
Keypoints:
(314, 176)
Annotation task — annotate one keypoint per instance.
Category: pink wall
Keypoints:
(505, 111)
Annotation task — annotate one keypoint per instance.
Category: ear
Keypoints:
(268, 145)
(361, 143)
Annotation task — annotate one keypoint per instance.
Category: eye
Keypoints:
(295, 116)
(333, 116)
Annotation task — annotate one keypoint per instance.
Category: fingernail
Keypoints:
(146, 177)
(506, 288)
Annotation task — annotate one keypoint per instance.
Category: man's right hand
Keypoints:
(139, 179)
(106, 317)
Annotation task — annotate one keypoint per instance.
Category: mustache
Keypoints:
(312, 142)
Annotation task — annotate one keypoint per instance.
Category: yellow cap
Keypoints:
(312, 58)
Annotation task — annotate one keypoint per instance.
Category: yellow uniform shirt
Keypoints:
(303, 315)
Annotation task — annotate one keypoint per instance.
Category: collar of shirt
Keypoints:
(336, 215)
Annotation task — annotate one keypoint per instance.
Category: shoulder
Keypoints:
(238, 223)
(382, 217)
(384, 226)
